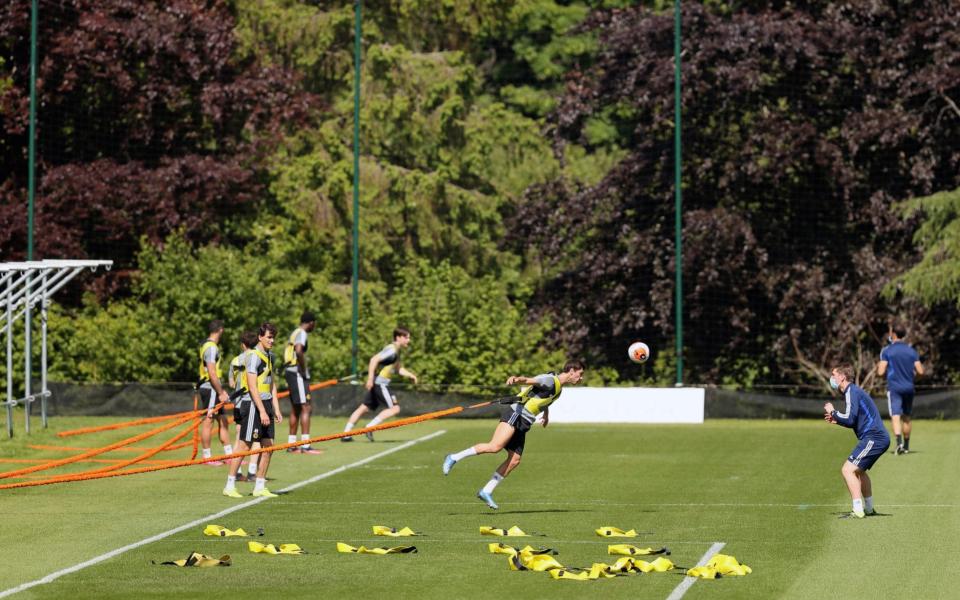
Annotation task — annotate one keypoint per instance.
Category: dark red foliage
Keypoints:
(800, 129)
(147, 123)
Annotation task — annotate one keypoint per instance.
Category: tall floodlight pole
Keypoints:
(678, 193)
(357, 31)
(31, 152)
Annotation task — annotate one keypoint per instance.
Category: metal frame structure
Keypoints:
(22, 286)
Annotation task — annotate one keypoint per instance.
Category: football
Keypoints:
(638, 352)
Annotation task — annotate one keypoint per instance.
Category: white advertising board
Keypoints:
(628, 405)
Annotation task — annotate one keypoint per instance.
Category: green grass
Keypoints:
(770, 490)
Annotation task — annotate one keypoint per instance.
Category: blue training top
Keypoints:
(900, 358)
(861, 415)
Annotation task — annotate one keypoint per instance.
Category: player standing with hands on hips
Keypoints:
(900, 362)
(862, 416)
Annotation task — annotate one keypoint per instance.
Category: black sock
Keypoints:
(906, 443)
(899, 440)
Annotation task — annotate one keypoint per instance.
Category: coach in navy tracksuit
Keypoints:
(862, 416)
(899, 362)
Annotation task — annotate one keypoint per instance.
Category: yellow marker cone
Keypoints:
(628, 550)
(200, 560)
(347, 549)
(271, 549)
(394, 532)
(615, 532)
(217, 530)
(512, 532)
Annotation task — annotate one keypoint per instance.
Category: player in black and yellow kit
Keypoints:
(259, 410)
(382, 364)
(211, 390)
(238, 383)
(298, 382)
(516, 418)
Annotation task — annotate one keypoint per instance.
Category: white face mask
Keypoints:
(834, 384)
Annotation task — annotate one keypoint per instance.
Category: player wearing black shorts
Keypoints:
(238, 383)
(516, 419)
(259, 411)
(298, 383)
(212, 394)
(384, 365)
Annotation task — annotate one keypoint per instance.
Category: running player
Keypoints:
(384, 364)
(298, 382)
(900, 363)
(211, 392)
(259, 411)
(862, 416)
(516, 418)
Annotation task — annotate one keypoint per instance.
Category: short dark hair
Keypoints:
(267, 328)
(249, 338)
(307, 317)
(846, 371)
(214, 325)
(401, 332)
(573, 365)
(899, 330)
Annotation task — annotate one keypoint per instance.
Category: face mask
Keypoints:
(834, 384)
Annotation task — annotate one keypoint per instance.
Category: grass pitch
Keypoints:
(769, 490)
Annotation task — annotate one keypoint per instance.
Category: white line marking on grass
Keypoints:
(605, 503)
(684, 585)
(107, 556)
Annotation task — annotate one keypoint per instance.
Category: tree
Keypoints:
(148, 123)
(795, 145)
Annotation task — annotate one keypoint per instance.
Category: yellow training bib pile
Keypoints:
(271, 549)
(615, 532)
(348, 549)
(542, 559)
(200, 560)
(721, 565)
(512, 532)
(217, 530)
(393, 531)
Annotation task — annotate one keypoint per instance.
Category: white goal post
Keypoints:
(23, 285)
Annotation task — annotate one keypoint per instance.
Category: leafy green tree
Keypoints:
(468, 330)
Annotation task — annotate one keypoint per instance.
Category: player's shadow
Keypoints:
(843, 513)
(523, 512)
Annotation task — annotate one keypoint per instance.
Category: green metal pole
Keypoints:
(357, 31)
(678, 193)
(31, 164)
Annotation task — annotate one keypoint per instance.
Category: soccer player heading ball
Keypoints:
(516, 418)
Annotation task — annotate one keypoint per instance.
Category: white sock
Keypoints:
(376, 421)
(231, 482)
(206, 453)
(227, 449)
(252, 468)
(868, 503)
(349, 426)
(492, 484)
(291, 439)
(259, 485)
(858, 505)
(304, 437)
(464, 454)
